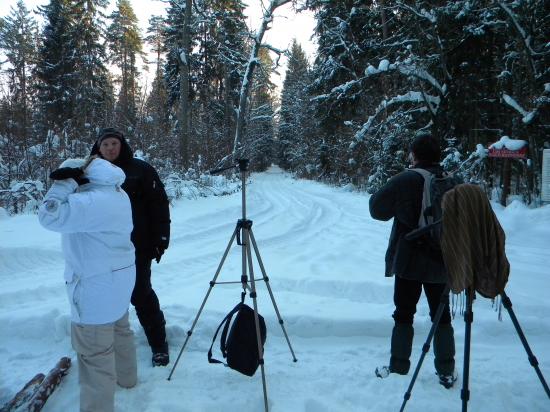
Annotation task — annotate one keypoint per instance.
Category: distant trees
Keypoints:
(469, 75)
(82, 71)
(383, 71)
(18, 41)
(297, 145)
(125, 45)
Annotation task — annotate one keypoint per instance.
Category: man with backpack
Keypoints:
(417, 264)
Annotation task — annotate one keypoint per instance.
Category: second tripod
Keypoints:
(245, 238)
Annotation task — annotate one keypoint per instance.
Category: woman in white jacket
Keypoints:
(93, 214)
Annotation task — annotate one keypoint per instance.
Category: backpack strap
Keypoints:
(225, 322)
(426, 200)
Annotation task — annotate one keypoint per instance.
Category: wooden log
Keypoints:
(24, 395)
(48, 385)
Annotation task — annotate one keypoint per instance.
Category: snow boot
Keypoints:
(448, 380)
(444, 350)
(401, 347)
(161, 356)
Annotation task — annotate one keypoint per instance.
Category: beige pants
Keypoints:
(106, 356)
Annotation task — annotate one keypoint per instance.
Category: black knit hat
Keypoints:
(109, 132)
(426, 148)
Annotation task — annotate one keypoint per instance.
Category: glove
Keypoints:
(158, 251)
(75, 173)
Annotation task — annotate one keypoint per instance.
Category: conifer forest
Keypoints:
(467, 71)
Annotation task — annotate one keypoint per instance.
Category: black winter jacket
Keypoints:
(150, 207)
(401, 198)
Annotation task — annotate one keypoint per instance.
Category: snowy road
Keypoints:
(324, 256)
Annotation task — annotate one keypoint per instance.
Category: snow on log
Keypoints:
(48, 385)
(24, 394)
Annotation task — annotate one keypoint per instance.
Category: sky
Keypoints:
(324, 256)
(287, 24)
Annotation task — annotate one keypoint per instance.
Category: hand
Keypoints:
(158, 251)
(75, 173)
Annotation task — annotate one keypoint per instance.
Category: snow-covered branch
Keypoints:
(527, 116)
(410, 97)
(408, 69)
(524, 36)
(423, 13)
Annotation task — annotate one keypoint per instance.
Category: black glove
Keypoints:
(158, 251)
(75, 173)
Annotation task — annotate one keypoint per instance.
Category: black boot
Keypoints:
(401, 347)
(161, 356)
(444, 351)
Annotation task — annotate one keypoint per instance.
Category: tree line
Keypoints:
(79, 70)
(468, 71)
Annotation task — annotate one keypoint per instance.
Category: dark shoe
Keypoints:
(160, 355)
(448, 380)
(160, 359)
(444, 350)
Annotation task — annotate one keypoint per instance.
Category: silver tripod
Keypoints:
(245, 238)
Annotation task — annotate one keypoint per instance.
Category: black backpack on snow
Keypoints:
(239, 344)
(429, 221)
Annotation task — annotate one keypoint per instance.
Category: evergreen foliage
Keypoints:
(468, 72)
(125, 45)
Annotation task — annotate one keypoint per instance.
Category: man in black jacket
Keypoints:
(151, 234)
(414, 264)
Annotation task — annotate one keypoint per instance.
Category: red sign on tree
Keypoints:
(510, 148)
(504, 152)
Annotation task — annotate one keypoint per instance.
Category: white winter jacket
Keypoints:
(95, 222)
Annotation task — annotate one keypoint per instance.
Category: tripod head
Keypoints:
(242, 165)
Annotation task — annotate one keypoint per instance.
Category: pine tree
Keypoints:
(221, 47)
(260, 123)
(125, 45)
(54, 70)
(294, 137)
(93, 93)
(346, 40)
(155, 137)
(18, 32)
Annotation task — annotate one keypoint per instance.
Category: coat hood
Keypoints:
(98, 171)
(125, 156)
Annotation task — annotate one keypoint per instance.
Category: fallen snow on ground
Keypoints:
(325, 257)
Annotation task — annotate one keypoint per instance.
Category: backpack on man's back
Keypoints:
(435, 186)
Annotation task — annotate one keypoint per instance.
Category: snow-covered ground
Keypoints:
(324, 255)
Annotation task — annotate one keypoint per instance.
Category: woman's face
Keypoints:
(110, 148)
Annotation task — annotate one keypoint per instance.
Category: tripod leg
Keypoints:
(426, 347)
(266, 278)
(468, 319)
(212, 283)
(507, 303)
(246, 246)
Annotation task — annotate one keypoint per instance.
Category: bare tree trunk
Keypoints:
(384, 21)
(238, 145)
(184, 111)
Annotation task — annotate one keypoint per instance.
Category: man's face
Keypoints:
(110, 148)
